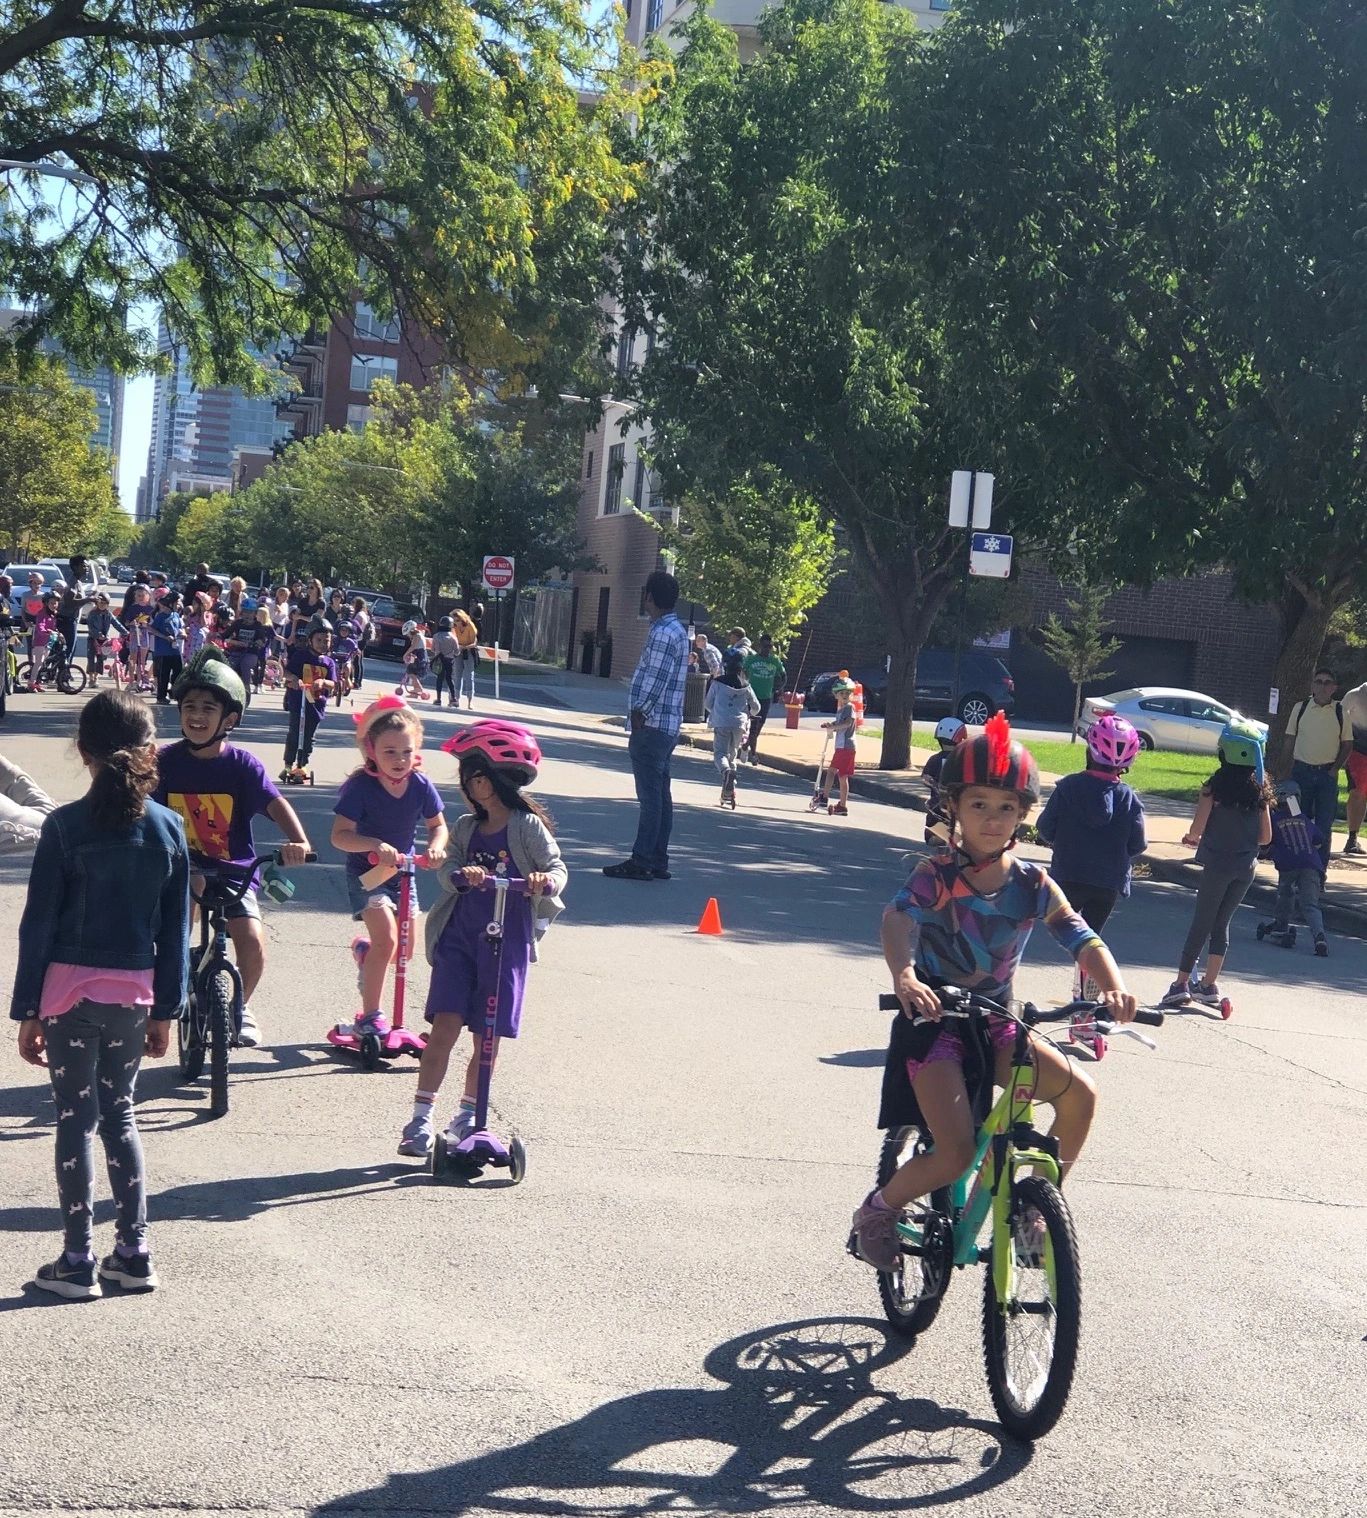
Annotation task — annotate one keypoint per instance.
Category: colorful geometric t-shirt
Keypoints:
(216, 798)
(977, 941)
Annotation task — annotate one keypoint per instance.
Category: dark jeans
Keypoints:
(650, 750)
(757, 726)
(168, 667)
(94, 1052)
(445, 671)
(1093, 904)
(297, 749)
(1319, 800)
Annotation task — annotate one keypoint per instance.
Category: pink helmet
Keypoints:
(508, 748)
(1112, 742)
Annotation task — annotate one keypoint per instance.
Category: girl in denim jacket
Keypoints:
(101, 972)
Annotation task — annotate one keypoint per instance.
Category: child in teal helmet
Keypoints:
(1233, 821)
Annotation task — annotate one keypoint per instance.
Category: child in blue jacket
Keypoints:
(1094, 823)
(1296, 851)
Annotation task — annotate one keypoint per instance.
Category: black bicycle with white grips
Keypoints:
(212, 1013)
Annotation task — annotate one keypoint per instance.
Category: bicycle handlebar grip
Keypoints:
(1149, 1019)
(889, 1002)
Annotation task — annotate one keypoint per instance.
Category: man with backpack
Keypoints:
(1319, 737)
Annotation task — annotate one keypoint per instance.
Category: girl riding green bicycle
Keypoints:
(964, 919)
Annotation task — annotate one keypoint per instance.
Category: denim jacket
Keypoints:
(110, 900)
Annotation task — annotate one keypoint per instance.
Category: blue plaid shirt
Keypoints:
(657, 687)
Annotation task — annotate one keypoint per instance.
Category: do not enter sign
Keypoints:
(498, 571)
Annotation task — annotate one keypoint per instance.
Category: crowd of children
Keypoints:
(102, 967)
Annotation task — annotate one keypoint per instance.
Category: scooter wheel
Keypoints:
(517, 1159)
(1226, 1009)
(436, 1160)
(1291, 938)
(370, 1051)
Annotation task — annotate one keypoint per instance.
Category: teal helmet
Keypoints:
(1241, 743)
(210, 671)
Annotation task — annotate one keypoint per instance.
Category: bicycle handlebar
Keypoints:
(961, 1003)
(221, 873)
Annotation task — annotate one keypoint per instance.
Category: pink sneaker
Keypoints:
(372, 1022)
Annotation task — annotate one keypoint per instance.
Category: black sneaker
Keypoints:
(1353, 847)
(661, 875)
(136, 1274)
(75, 1282)
(628, 870)
(1321, 948)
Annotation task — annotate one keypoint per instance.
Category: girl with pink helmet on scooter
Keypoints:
(1095, 823)
(505, 831)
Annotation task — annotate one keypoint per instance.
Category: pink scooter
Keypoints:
(372, 1048)
(467, 1159)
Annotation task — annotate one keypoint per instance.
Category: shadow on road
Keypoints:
(797, 1420)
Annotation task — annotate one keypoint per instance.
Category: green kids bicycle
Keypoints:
(1032, 1288)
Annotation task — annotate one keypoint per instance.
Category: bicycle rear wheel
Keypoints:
(1030, 1339)
(219, 994)
(72, 679)
(911, 1294)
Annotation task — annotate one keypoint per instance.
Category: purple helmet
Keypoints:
(1111, 742)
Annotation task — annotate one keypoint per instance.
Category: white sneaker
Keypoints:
(461, 1126)
(248, 1034)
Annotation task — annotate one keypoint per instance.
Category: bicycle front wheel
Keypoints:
(911, 1294)
(1030, 1335)
(219, 994)
(72, 680)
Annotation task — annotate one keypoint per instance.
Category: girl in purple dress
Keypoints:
(505, 831)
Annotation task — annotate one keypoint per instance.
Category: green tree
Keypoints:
(1080, 646)
(759, 556)
(798, 324)
(112, 532)
(1165, 204)
(245, 165)
(54, 486)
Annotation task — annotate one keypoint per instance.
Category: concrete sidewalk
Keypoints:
(798, 752)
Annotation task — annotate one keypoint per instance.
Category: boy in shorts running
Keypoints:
(217, 789)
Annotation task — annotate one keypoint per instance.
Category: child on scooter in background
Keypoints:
(506, 831)
(949, 733)
(1296, 850)
(842, 760)
(310, 677)
(415, 662)
(1094, 823)
(378, 811)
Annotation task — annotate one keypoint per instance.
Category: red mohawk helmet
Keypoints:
(505, 746)
(996, 759)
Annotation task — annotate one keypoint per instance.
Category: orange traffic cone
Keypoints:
(710, 922)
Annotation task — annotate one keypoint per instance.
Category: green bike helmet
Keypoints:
(210, 671)
(1241, 743)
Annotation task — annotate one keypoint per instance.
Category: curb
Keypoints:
(1262, 893)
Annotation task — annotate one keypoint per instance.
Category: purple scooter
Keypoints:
(467, 1159)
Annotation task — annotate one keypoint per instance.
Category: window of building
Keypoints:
(588, 473)
(655, 13)
(366, 368)
(380, 329)
(617, 466)
(638, 488)
(941, 5)
(357, 417)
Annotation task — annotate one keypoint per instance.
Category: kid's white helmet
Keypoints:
(950, 730)
(409, 627)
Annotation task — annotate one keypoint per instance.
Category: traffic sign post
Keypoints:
(499, 573)
(990, 555)
(970, 506)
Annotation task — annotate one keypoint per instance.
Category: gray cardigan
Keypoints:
(533, 849)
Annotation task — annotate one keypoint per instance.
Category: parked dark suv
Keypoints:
(985, 686)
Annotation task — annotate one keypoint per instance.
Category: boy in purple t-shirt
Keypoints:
(310, 678)
(217, 790)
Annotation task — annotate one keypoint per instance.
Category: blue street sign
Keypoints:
(990, 555)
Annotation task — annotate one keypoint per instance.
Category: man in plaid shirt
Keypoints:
(655, 713)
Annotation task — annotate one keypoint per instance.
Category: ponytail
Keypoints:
(116, 732)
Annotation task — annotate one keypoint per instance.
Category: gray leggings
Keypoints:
(94, 1051)
(1220, 892)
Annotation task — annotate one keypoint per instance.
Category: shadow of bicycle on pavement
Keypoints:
(798, 1420)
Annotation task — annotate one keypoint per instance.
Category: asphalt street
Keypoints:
(662, 1316)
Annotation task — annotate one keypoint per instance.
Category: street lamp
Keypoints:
(53, 170)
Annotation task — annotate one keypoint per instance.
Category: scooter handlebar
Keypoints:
(420, 861)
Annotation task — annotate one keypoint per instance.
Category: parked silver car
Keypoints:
(1180, 720)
